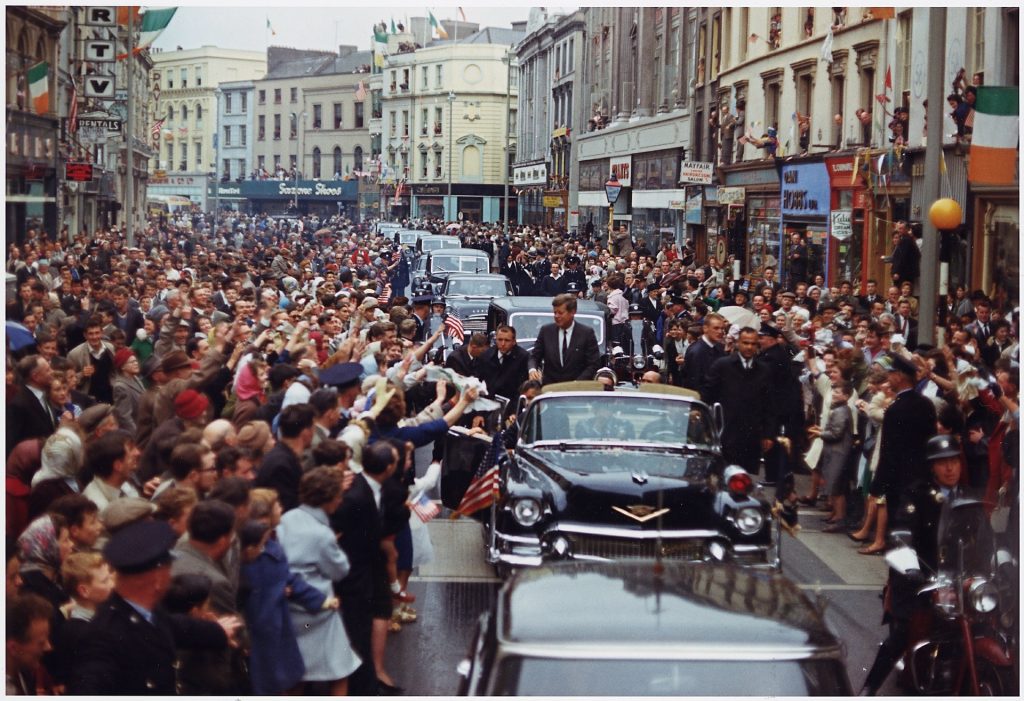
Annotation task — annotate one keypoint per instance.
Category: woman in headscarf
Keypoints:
(22, 464)
(249, 392)
(62, 458)
(43, 546)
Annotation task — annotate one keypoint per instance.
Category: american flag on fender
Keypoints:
(425, 509)
(483, 489)
(453, 325)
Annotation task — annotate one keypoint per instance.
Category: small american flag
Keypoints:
(154, 131)
(360, 91)
(483, 489)
(453, 325)
(385, 295)
(425, 509)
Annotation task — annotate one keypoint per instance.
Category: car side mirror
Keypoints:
(719, 415)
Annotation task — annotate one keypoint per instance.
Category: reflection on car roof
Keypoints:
(627, 603)
(595, 386)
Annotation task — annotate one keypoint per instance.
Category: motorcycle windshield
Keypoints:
(636, 334)
(965, 532)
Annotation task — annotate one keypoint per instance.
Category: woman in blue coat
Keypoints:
(275, 663)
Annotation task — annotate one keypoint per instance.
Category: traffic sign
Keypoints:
(78, 172)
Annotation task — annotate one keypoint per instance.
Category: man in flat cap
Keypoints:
(131, 646)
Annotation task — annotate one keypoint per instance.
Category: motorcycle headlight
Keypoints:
(639, 362)
(749, 520)
(982, 595)
(526, 511)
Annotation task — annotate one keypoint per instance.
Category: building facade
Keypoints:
(187, 102)
(447, 121)
(636, 112)
(550, 63)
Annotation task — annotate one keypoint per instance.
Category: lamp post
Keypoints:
(612, 188)
(298, 152)
(507, 60)
(451, 110)
(216, 159)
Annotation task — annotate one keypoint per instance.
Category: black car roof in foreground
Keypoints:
(709, 611)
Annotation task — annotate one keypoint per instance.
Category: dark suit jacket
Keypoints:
(696, 363)
(26, 419)
(123, 654)
(132, 323)
(549, 286)
(746, 398)
(358, 522)
(906, 427)
(281, 470)
(651, 309)
(462, 363)
(507, 378)
(581, 363)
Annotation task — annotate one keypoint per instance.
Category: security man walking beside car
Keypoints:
(565, 351)
(741, 382)
(505, 366)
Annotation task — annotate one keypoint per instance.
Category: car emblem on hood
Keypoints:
(639, 476)
(640, 512)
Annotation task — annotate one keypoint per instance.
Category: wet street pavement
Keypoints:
(453, 590)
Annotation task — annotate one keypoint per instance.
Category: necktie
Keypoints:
(501, 360)
(565, 345)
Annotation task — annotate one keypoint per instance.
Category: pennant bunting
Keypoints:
(995, 141)
(39, 87)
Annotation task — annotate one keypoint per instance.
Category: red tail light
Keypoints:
(740, 483)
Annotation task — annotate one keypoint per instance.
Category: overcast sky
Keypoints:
(231, 25)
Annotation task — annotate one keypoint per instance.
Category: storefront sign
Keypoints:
(842, 224)
(78, 172)
(677, 204)
(761, 176)
(731, 195)
(841, 173)
(552, 201)
(186, 180)
(622, 166)
(696, 172)
(532, 174)
(805, 190)
(694, 209)
(108, 123)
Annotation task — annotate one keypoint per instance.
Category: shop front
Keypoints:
(427, 201)
(529, 179)
(849, 218)
(195, 186)
(287, 197)
(31, 193)
(889, 184)
(806, 199)
(226, 196)
(995, 243)
(754, 226)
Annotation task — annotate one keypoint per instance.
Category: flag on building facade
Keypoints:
(73, 108)
(441, 33)
(394, 29)
(360, 91)
(154, 131)
(380, 45)
(883, 12)
(126, 11)
(453, 325)
(270, 28)
(39, 87)
(994, 144)
(483, 489)
(153, 23)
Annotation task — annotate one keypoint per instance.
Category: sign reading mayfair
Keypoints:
(696, 172)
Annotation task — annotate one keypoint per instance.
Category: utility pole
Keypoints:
(216, 158)
(932, 158)
(508, 135)
(451, 109)
(129, 137)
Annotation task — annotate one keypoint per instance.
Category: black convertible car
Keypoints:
(599, 475)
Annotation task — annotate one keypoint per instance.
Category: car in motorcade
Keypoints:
(528, 314)
(443, 262)
(426, 244)
(387, 229)
(468, 295)
(633, 472)
(409, 237)
(650, 628)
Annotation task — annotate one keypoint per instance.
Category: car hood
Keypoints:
(475, 305)
(586, 485)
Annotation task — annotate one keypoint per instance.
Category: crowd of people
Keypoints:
(211, 435)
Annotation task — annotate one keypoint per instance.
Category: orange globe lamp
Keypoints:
(945, 214)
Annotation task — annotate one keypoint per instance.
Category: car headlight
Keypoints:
(982, 595)
(749, 520)
(526, 511)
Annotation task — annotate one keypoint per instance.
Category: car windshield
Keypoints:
(481, 287)
(614, 419)
(458, 264)
(527, 324)
(432, 243)
(533, 676)
(408, 238)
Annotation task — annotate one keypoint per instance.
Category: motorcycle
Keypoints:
(636, 352)
(963, 644)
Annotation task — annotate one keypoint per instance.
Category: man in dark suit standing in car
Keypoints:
(565, 350)
(702, 353)
(742, 384)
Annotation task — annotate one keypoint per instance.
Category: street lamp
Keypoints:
(216, 159)
(451, 110)
(612, 188)
(507, 59)
(298, 152)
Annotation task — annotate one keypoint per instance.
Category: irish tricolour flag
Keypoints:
(994, 144)
(39, 87)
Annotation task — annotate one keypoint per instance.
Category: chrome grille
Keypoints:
(475, 322)
(619, 549)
